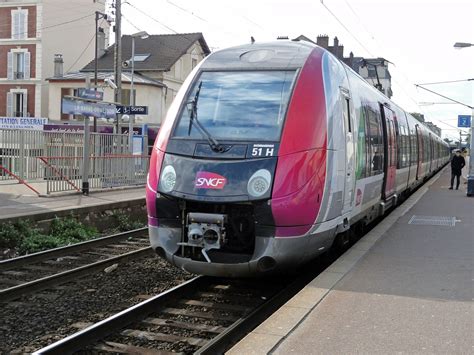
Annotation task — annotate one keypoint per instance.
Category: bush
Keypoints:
(39, 242)
(28, 239)
(70, 230)
(9, 236)
(125, 223)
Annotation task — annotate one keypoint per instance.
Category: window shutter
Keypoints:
(27, 58)
(10, 66)
(9, 104)
(16, 24)
(24, 27)
(13, 17)
(25, 104)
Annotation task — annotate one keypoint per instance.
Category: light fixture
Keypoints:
(168, 179)
(259, 183)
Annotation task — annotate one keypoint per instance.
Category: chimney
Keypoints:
(100, 42)
(340, 52)
(336, 42)
(323, 41)
(58, 65)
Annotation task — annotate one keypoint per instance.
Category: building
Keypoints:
(31, 33)
(374, 70)
(434, 128)
(162, 63)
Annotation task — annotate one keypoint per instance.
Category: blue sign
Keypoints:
(90, 94)
(132, 110)
(464, 121)
(78, 107)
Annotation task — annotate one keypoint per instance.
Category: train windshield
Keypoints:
(249, 105)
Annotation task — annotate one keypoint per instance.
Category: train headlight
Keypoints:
(259, 183)
(168, 179)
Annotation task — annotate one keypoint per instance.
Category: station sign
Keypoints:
(464, 121)
(90, 94)
(132, 110)
(23, 122)
(91, 109)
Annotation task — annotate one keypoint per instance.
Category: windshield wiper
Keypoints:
(193, 120)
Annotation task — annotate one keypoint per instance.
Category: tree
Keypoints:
(447, 140)
(420, 117)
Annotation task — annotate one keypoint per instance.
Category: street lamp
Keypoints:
(141, 35)
(460, 45)
(470, 177)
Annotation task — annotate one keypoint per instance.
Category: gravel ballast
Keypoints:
(35, 321)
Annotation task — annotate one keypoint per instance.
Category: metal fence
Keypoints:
(56, 158)
(19, 151)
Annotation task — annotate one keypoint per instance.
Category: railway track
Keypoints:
(204, 315)
(39, 271)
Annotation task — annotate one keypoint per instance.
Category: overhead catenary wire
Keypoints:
(347, 30)
(59, 24)
(84, 50)
(351, 33)
(139, 29)
(445, 97)
(185, 10)
(448, 82)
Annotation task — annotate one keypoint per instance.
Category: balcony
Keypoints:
(18, 75)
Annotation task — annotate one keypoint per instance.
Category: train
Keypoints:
(273, 152)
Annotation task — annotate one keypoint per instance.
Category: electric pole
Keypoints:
(118, 56)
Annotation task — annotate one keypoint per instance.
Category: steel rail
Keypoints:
(100, 330)
(219, 344)
(236, 331)
(15, 292)
(66, 250)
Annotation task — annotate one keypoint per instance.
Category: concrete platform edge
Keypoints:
(64, 211)
(272, 332)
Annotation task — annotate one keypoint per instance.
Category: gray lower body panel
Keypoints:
(288, 253)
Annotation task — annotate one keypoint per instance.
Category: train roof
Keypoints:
(270, 55)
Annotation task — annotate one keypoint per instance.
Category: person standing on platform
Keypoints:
(457, 163)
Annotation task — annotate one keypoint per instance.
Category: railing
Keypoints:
(18, 153)
(56, 158)
(19, 75)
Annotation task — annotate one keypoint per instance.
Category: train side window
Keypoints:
(374, 121)
(362, 147)
(414, 147)
(347, 115)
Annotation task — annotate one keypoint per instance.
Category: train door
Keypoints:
(349, 180)
(390, 152)
(430, 141)
(419, 158)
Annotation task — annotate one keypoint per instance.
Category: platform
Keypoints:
(405, 287)
(17, 201)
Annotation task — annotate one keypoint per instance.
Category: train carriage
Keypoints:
(270, 152)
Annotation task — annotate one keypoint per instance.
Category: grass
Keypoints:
(25, 238)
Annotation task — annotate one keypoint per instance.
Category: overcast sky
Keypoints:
(416, 35)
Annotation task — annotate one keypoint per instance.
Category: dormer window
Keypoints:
(140, 57)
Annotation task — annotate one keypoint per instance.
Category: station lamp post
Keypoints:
(470, 177)
(142, 35)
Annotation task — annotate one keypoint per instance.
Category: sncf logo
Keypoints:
(206, 180)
